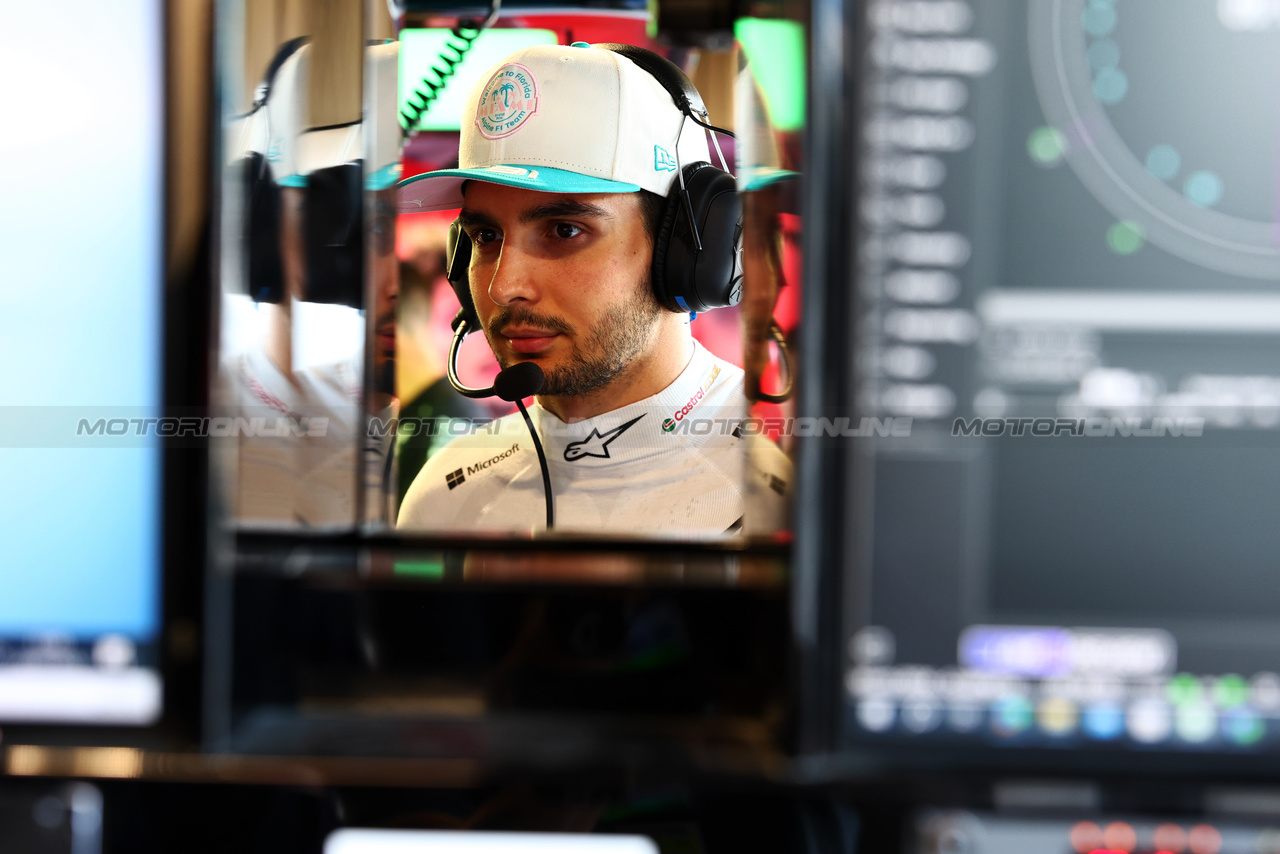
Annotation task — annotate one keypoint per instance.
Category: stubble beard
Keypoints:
(616, 340)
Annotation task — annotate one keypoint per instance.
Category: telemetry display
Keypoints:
(1070, 284)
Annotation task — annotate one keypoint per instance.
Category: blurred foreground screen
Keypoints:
(1071, 291)
(358, 841)
(80, 286)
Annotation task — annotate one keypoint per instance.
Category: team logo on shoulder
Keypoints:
(596, 444)
(509, 99)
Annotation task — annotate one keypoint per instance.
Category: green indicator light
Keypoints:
(1012, 715)
(1183, 689)
(1046, 146)
(1230, 691)
(1125, 237)
(775, 48)
(419, 568)
(1196, 722)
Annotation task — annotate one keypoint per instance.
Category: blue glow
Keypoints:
(1110, 86)
(1243, 726)
(1103, 721)
(1103, 53)
(80, 290)
(1011, 715)
(1099, 19)
(1203, 188)
(1163, 161)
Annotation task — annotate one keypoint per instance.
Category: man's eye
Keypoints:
(567, 230)
(482, 236)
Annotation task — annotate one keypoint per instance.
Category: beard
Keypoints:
(616, 340)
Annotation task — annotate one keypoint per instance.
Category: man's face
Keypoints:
(562, 280)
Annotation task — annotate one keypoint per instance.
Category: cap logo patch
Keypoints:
(662, 160)
(509, 99)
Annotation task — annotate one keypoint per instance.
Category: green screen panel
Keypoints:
(775, 49)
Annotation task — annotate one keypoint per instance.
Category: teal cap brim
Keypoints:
(767, 178)
(442, 190)
(383, 178)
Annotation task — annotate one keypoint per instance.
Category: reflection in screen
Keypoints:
(80, 257)
(644, 426)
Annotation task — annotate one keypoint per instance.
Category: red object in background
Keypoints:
(588, 26)
(787, 313)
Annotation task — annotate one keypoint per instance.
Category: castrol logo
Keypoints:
(670, 424)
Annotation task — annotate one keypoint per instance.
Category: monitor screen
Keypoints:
(81, 282)
(1069, 376)
(380, 841)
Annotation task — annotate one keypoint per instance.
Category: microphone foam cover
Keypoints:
(519, 381)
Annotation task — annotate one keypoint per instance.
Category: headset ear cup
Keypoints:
(671, 211)
(458, 259)
(684, 278)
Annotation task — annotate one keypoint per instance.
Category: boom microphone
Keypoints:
(521, 380)
(512, 384)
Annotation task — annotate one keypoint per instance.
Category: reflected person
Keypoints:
(582, 261)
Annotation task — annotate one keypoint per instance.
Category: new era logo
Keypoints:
(662, 160)
(454, 478)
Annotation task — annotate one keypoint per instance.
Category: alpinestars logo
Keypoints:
(596, 444)
(454, 478)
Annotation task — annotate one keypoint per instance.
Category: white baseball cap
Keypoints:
(564, 119)
(382, 150)
(375, 139)
(274, 126)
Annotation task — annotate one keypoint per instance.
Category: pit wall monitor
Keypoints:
(1070, 377)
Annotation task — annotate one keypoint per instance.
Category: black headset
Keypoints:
(695, 250)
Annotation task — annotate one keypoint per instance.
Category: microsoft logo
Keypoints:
(454, 478)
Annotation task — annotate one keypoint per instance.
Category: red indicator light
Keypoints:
(1169, 838)
(1120, 837)
(1086, 837)
(1205, 839)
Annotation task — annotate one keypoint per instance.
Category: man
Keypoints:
(567, 157)
(301, 471)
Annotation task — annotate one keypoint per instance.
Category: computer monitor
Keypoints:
(1069, 377)
(81, 273)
